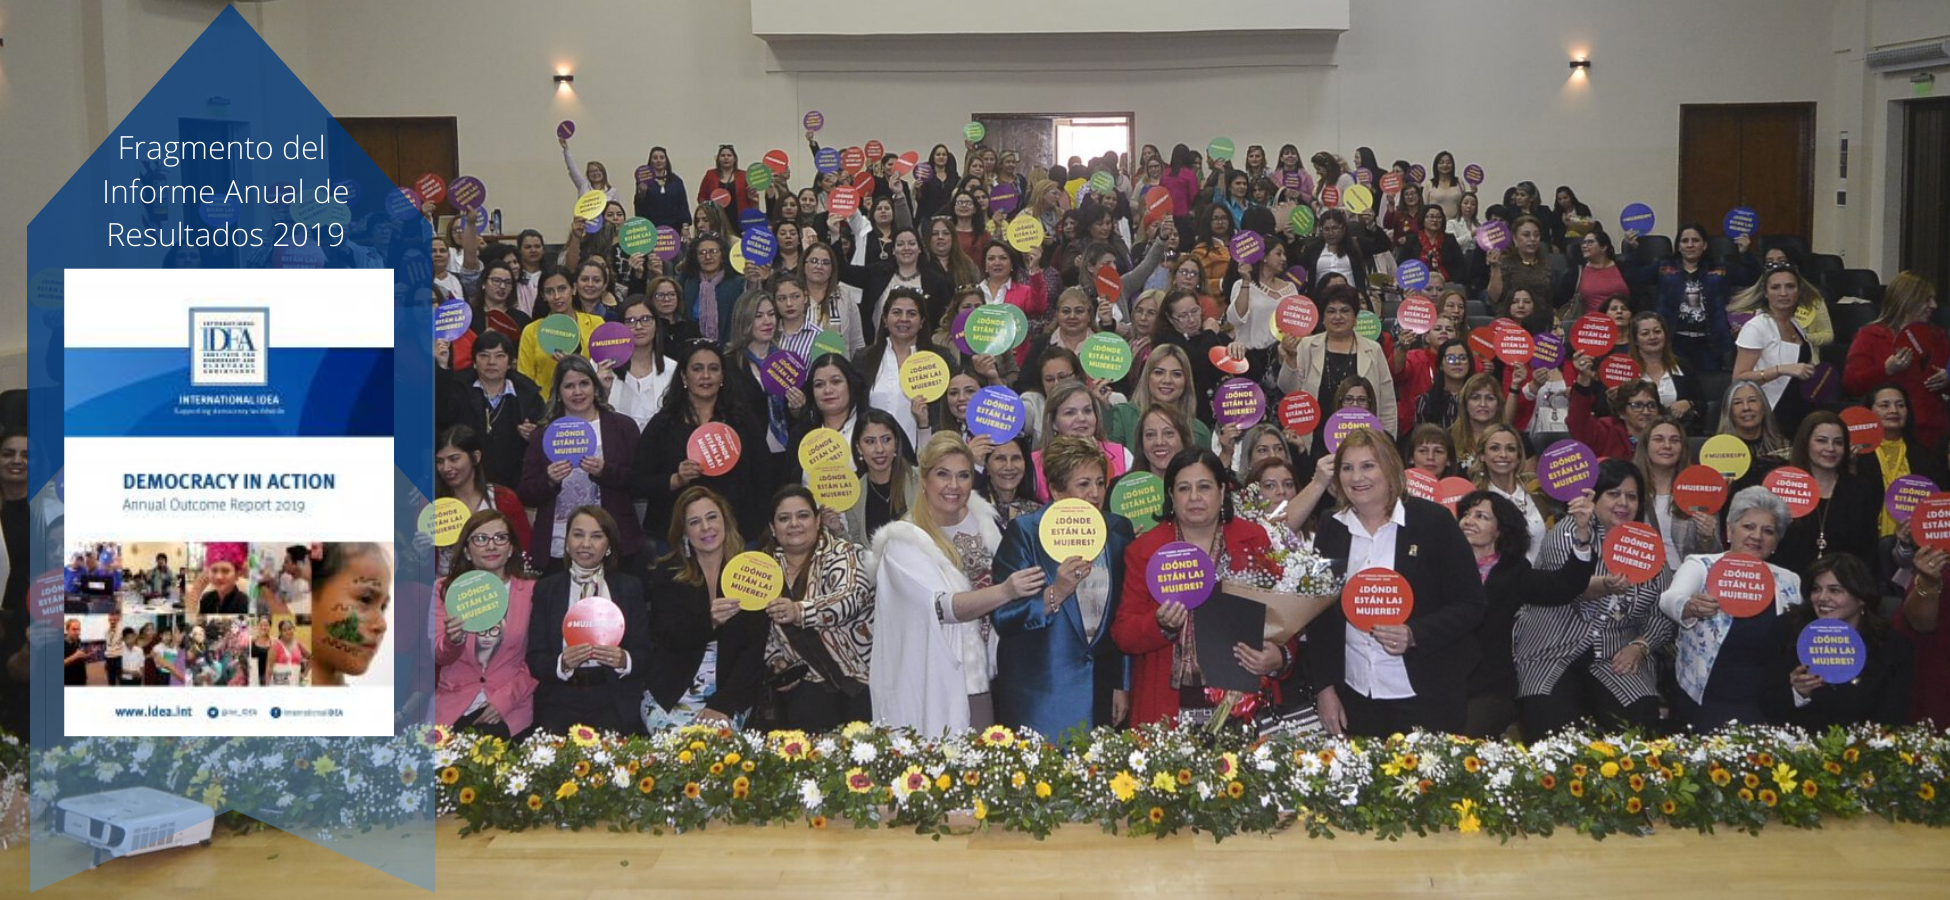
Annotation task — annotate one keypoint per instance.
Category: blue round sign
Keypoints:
(753, 218)
(1833, 650)
(761, 246)
(827, 160)
(1740, 222)
(996, 412)
(219, 212)
(1412, 275)
(1637, 217)
(568, 440)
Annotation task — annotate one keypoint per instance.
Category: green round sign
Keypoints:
(479, 599)
(1140, 497)
(991, 330)
(558, 332)
(637, 236)
(1368, 325)
(1220, 148)
(1105, 355)
(827, 341)
(974, 131)
(1103, 183)
(759, 178)
(1302, 220)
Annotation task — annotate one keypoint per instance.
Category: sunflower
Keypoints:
(1832, 767)
(567, 790)
(971, 778)
(1851, 755)
(1633, 805)
(1721, 777)
(981, 810)
(449, 775)
(1578, 771)
(647, 783)
(1472, 765)
(1746, 795)
(1184, 776)
(692, 790)
(581, 768)
(1751, 780)
(748, 767)
(819, 821)
(583, 735)
(1768, 796)
(1042, 790)
(1668, 807)
(1157, 815)
(731, 759)
(1809, 789)
(1577, 787)
(717, 768)
(1235, 790)
(467, 795)
(1927, 792)
(1548, 782)
(1637, 782)
(534, 802)
(998, 736)
(858, 781)
(741, 787)
(1627, 764)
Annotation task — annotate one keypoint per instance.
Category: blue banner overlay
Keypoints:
(285, 188)
(311, 392)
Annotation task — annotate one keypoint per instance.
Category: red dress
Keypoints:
(1868, 352)
(1136, 630)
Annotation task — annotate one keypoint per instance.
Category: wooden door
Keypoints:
(1759, 155)
(1926, 191)
(404, 148)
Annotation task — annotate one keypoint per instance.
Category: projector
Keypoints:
(133, 821)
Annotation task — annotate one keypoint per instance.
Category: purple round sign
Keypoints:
(1180, 573)
(781, 372)
(645, 175)
(611, 342)
(1003, 198)
(1298, 275)
(1823, 385)
(1740, 222)
(1292, 180)
(1248, 247)
(451, 319)
(1903, 495)
(1412, 275)
(1547, 350)
(959, 331)
(761, 247)
(1344, 421)
(1493, 235)
(565, 130)
(1566, 469)
(467, 192)
(568, 440)
(669, 243)
(1833, 650)
(1238, 401)
(996, 412)
(827, 160)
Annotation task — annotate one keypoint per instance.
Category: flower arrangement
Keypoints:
(1290, 565)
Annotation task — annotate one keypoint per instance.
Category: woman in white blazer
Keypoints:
(1306, 365)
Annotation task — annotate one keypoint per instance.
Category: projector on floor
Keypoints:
(133, 821)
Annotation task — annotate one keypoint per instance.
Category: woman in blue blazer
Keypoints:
(1056, 667)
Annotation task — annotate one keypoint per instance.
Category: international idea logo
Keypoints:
(228, 347)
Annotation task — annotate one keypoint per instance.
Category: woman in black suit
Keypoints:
(599, 685)
(1395, 678)
(690, 614)
(1840, 587)
(1499, 537)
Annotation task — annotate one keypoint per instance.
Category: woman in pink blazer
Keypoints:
(481, 678)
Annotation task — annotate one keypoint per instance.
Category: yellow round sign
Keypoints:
(1025, 233)
(1357, 199)
(834, 487)
(1073, 527)
(823, 447)
(737, 256)
(589, 206)
(753, 579)
(449, 516)
(925, 375)
(1726, 454)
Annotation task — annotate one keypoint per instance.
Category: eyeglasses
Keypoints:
(1643, 405)
(501, 282)
(639, 320)
(489, 540)
(1454, 357)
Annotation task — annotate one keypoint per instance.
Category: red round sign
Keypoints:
(714, 447)
(843, 201)
(875, 150)
(593, 620)
(1110, 285)
(1330, 196)
(1420, 484)
(1930, 523)
(1864, 428)
(906, 162)
(1376, 597)
(1297, 316)
(1743, 585)
(1450, 491)
(1157, 204)
(1513, 344)
(1391, 183)
(863, 181)
(1227, 363)
(1916, 336)
(1300, 412)
(1416, 314)
(853, 159)
(1795, 486)
(721, 198)
(1594, 335)
(777, 161)
(1482, 343)
(432, 187)
(1700, 488)
(1617, 369)
(1636, 551)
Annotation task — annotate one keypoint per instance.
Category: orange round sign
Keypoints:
(1482, 342)
(1450, 491)
(1700, 488)
(1420, 484)
(1617, 369)
(1227, 363)
(1110, 285)
(1594, 335)
(1636, 551)
(1416, 315)
(1377, 597)
(714, 446)
(1795, 486)
(1296, 316)
(1513, 344)
(1930, 523)
(1743, 584)
(1864, 428)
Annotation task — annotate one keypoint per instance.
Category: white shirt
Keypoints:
(1668, 522)
(449, 284)
(885, 393)
(1533, 518)
(1255, 328)
(1762, 333)
(640, 398)
(1333, 262)
(1370, 670)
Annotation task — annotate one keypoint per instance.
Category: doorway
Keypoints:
(1926, 191)
(1050, 139)
(1758, 155)
(403, 147)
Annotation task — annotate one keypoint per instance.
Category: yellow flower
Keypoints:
(1609, 770)
(324, 766)
(998, 736)
(567, 790)
(858, 781)
(819, 821)
(1668, 807)
(1927, 792)
(684, 756)
(1164, 782)
(449, 775)
(1157, 815)
(1851, 754)
(692, 790)
(1019, 779)
(1633, 805)
(915, 780)
(1678, 770)
(1184, 776)
(1124, 787)
(971, 778)
(1721, 777)
(1750, 780)
(717, 768)
(855, 729)
(697, 745)
(467, 795)
(1747, 795)
(583, 735)
(441, 735)
(213, 795)
(1229, 766)
(1637, 782)
(1235, 790)
(1603, 749)
(581, 768)
(1472, 765)
(1784, 776)
(942, 782)
(1832, 767)
(647, 783)
(1768, 796)
(731, 759)
(1577, 788)
(1042, 790)
(534, 802)
(1466, 821)
(1626, 764)
(1809, 789)
(1578, 770)
(981, 810)
(741, 787)
(790, 744)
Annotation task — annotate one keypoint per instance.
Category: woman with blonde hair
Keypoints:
(1482, 407)
(1501, 469)
(1880, 353)
(1810, 312)
(1166, 377)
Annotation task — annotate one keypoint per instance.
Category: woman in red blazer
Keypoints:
(727, 175)
(1883, 352)
(481, 679)
(1197, 510)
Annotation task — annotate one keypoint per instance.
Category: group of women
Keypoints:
(931, 602)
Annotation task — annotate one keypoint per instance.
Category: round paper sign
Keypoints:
(1743, 584)
(611, 342)
(565, 129)
(974, 132)
(403, 204)
(1103, 184)
(1330, 197)
(777, 161)
(1302, 220)
(1376, 597)
(1105, 355)
(714, 447)
(467, 192)
(670, 244)
(1930, 523)
(1567, 469)
(1482, 343)
(1617, 369)
(997, 413)
(1473, 174)
(1296, 316)
(1238, 401)
(721, 198)
(1638, 218)
(1493, 236)
(1157, 204)
(827, 342)
(906, 162)
(834, 487)
(761, 247)
(1594, 335)
(1904, 493)
(558, 333)
(758, 177)
(1832, 650)
(1220, 148)
(1139, 497)
(823, 447)
(1368, 325)
(1248, 247)
(813, 121)
(1025, 233)
(1864, 428)
(1636, 551)
(1364, 177)
(1412, 275)
(990, 330)
(827, 160)
(853, 159)
(875, 150)
(451, 319)
(1421, 485)
(1072, 528)
(589, 206)
(1358, 199)
(1726, 454)
(1224, 361)
(636, 236)
(1416, 315)
(1795, 486)
(1700, 488)
(1180, 573)
(478, 599)
(449, 517)
(924, 375)
(1109, 284)
(782, 371)
(593, 620)
(568, 440)
(1299, 412)
(1916, 336)
(1344, 421)
(1391, 183)
(1547, 350)
(753, 579)
(432, 188)
(843, 201)
(1416, 173)
(1741, 221)
(1513, 345)
(1450, 491)
(1003, 198)
(1822, 386)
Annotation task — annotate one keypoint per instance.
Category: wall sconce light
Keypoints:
(564, 80)
(1581, 65)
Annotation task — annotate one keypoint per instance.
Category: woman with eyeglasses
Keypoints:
(1634, 405)
(636, 388)
(832, 304)
(495, 296)
(711, 288)
(481, 678)
(458, 463)
(1774, 350)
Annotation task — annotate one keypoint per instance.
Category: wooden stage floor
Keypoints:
(1863, 858)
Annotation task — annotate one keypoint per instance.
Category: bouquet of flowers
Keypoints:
(1294, 583)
